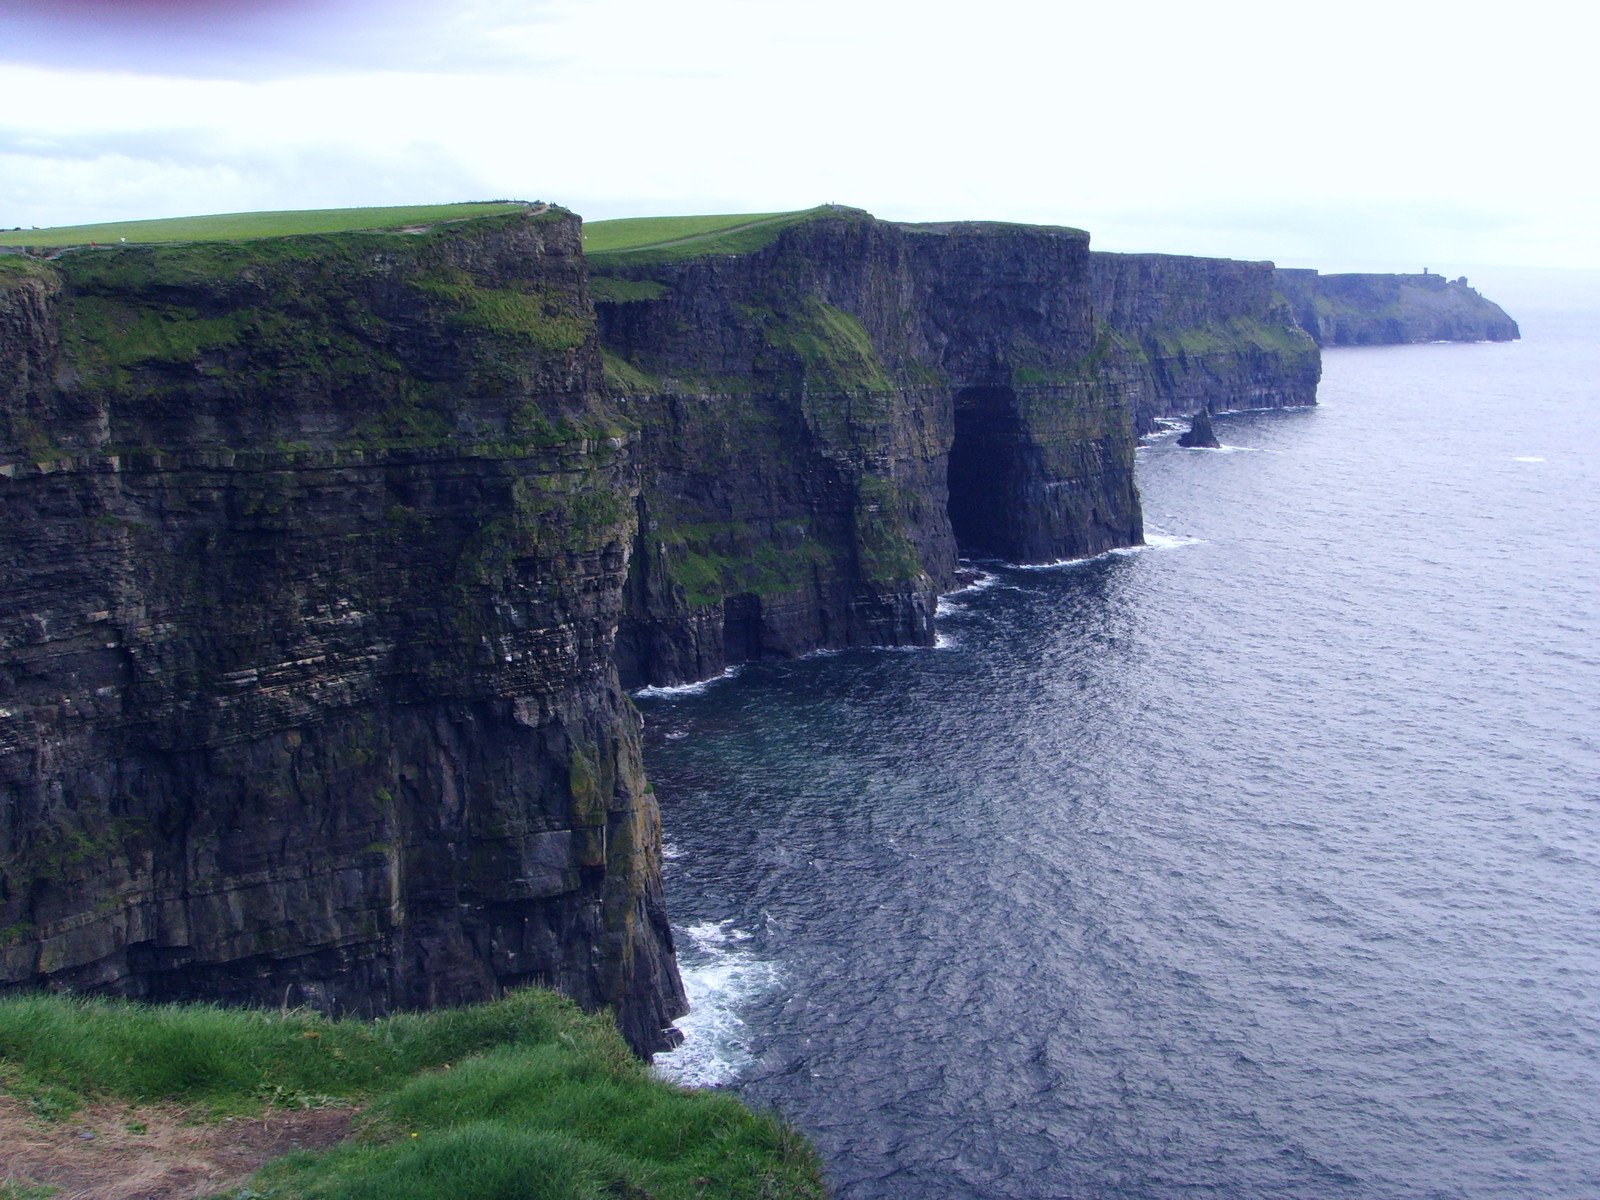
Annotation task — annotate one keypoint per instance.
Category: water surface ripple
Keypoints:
(1265, 863)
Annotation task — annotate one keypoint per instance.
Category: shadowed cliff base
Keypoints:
(986, 472)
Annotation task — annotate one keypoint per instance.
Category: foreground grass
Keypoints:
(525, 1098)
(689, 237)
(244, 226)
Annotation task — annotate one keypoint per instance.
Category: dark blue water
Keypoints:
(1263, 862)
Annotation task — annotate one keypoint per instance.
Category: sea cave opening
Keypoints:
(983, 472)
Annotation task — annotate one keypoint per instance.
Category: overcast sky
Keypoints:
(1402, 133)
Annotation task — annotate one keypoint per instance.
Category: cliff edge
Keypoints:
(314, 551)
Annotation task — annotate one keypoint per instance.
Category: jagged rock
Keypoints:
(1199, 433)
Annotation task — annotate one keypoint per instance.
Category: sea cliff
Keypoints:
(830, 419)
(314, 552)
(327, 559)
(1369, 310)
(1201, 333)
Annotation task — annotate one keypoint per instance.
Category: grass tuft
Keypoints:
(524, 1097)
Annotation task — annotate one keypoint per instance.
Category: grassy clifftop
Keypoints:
(524, 1098)
(634, 239)
(248, 226)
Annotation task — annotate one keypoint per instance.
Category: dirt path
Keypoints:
(171, 1159)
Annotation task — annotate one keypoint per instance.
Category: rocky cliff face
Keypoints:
(1372, 310)
(828, 420)
(313, 555)
(1200, 333)
(326, 560)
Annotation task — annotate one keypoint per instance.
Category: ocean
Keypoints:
(1262, 861)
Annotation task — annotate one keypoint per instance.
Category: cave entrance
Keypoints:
(985, 472)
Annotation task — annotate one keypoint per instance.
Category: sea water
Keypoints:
(1263, 861)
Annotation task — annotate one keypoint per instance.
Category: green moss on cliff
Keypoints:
(386, 336)
(17, 267)
(625, 379)
(832, 345)
(885, 553)
(541, 317)
(714, 560)
(1237, 335)
(614, 289)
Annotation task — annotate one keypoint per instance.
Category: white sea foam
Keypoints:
(673, 691)
(945, 641)
(1527, 458)
(721, 975)
(1153, 540)
(984, 581)
(825, 652)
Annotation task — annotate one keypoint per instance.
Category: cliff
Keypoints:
(1366, 310)
(830, 418)
(1200, 333)
(313, 556)
(323, 555)
(327, 559)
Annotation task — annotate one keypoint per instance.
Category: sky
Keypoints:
(1401, 133)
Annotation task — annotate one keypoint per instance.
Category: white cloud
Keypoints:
(1238, 128)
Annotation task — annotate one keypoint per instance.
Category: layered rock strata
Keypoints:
(1371, 310)
(830, 419)
(325, 561)
(1200, 333)
(314, 552)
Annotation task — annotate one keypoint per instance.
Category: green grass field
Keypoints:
(245, 226)
(524, 1097)
(689, 237)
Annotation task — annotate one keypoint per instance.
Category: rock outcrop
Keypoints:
(313, 554)
(1200, 333)
(1199, 435)
(1373, 310)
(829, 419)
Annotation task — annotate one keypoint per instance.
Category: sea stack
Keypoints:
(1199, 433)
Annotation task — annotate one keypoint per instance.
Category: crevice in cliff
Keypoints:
(985, 467)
